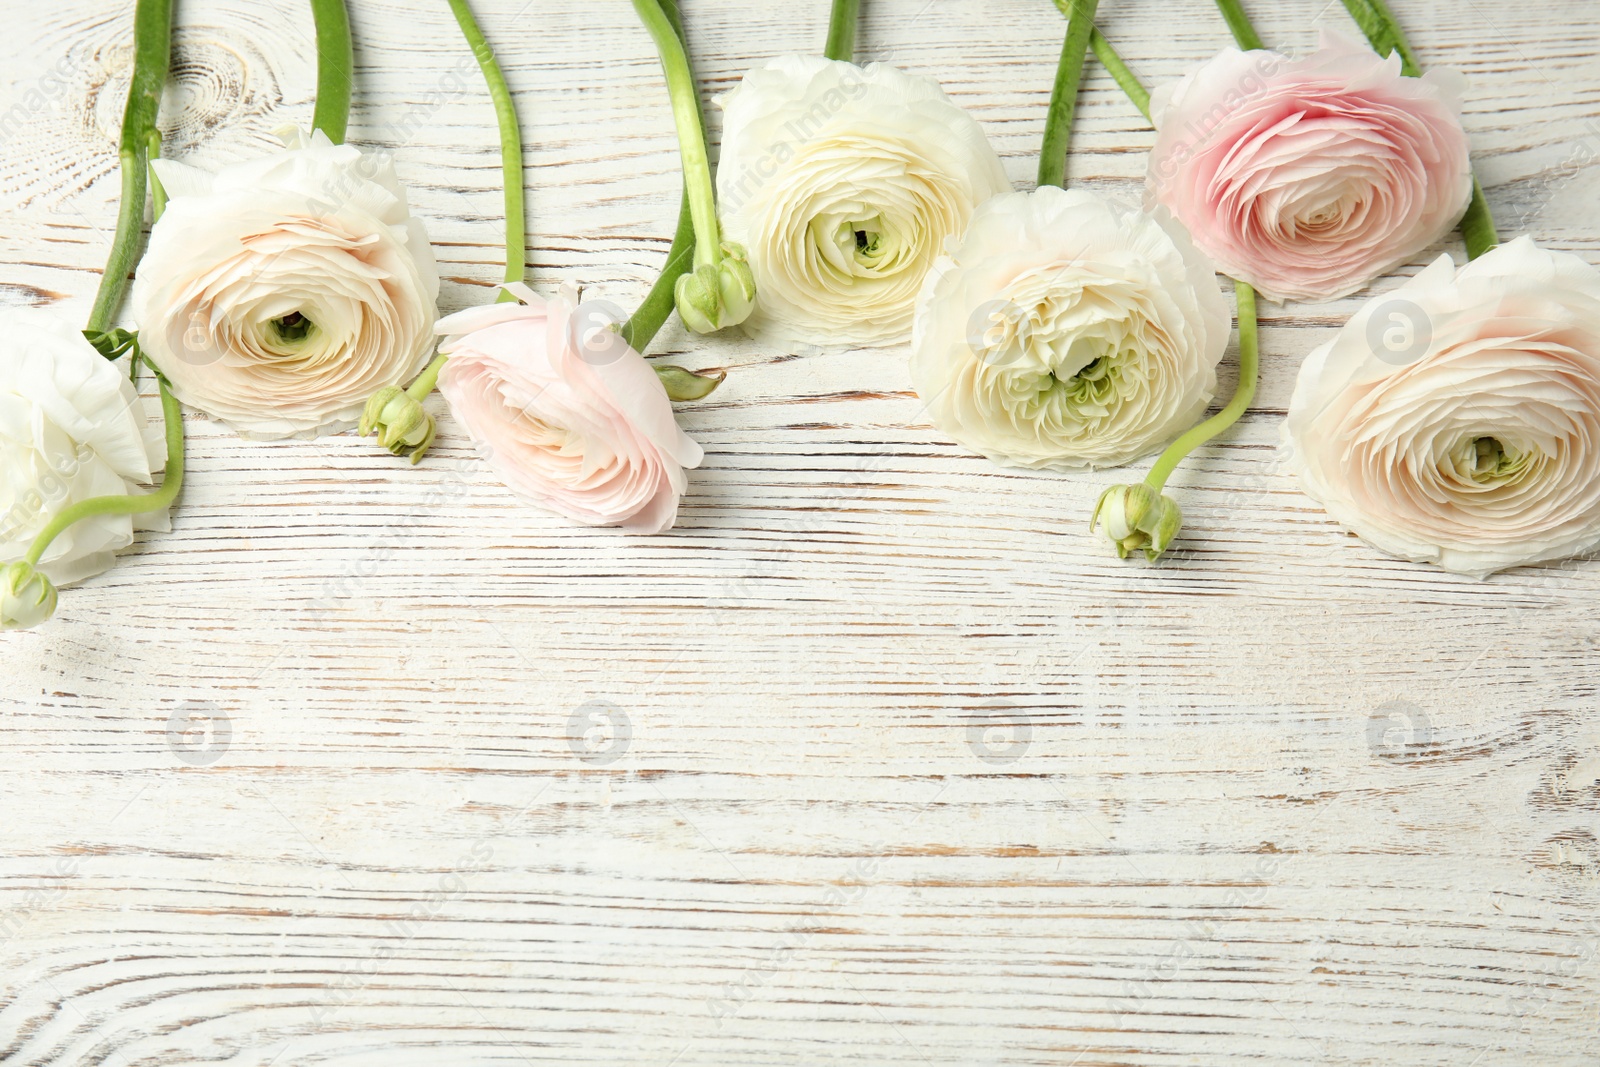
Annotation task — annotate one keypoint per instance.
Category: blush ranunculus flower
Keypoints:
(1456, 420)
(279, 293)
(1066, 331)
(573, 419)
(71, 428)
(843, 183)
(1310, 177)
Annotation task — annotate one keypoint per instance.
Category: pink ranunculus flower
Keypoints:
(1310, 177)
(573, 419)
(1456, 420)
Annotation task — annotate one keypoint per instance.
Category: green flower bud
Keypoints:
(27, 597)
(403, 427)
(738, 285)
(699, 298)
(1137, 517)
(713, 297)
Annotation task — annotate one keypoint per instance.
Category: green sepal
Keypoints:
(684, 384)
(113, 344)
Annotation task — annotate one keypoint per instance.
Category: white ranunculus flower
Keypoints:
(1456, 420)
(1066, 331)
(71, 427)
(278, 294)
(843, 183)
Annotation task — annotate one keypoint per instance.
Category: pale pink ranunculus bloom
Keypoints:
(1309, 177)
(571, 418)
(280, 293)
(1456, 420)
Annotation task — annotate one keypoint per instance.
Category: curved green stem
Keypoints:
(336, 58)
(505, 110)
(129, 504)
(1064, 96)
(1249, 338)
(659, 303)
(1383, 32)
(691, 135)
(1125, 78)
(152, 52)
(1249, 364)
(842, 30)
(1239, 25)
(1477, 225)
(419, 389)
(158, 192)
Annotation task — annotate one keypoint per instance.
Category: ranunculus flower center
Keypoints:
(293, 328)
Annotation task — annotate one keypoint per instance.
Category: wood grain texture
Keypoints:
(902, 767)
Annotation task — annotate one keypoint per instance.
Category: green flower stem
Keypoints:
(658, 305)
(1249, 365)
(1383, 32)
(1477, 225)
(171, 483)
(1239, 25)
(842, 30)
(152, 52)
(1101, 47)
(1249, 338)
(158, 192)
(691, 135)
(1119, 70)
(419, 389)
(1064, 96)
(505, 110)
(336, 58)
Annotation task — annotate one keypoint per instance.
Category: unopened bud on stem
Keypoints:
(1137, 517)
(27, 597)
(403, 427)
(717, 295)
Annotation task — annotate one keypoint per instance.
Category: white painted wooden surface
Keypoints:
(913, 770)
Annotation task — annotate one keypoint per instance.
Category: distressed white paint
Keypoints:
(1213, 847)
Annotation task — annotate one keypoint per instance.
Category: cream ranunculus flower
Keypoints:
(1067, 331)
(278, 294)
(71, 428)
(1456, 420)
(842, 183)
